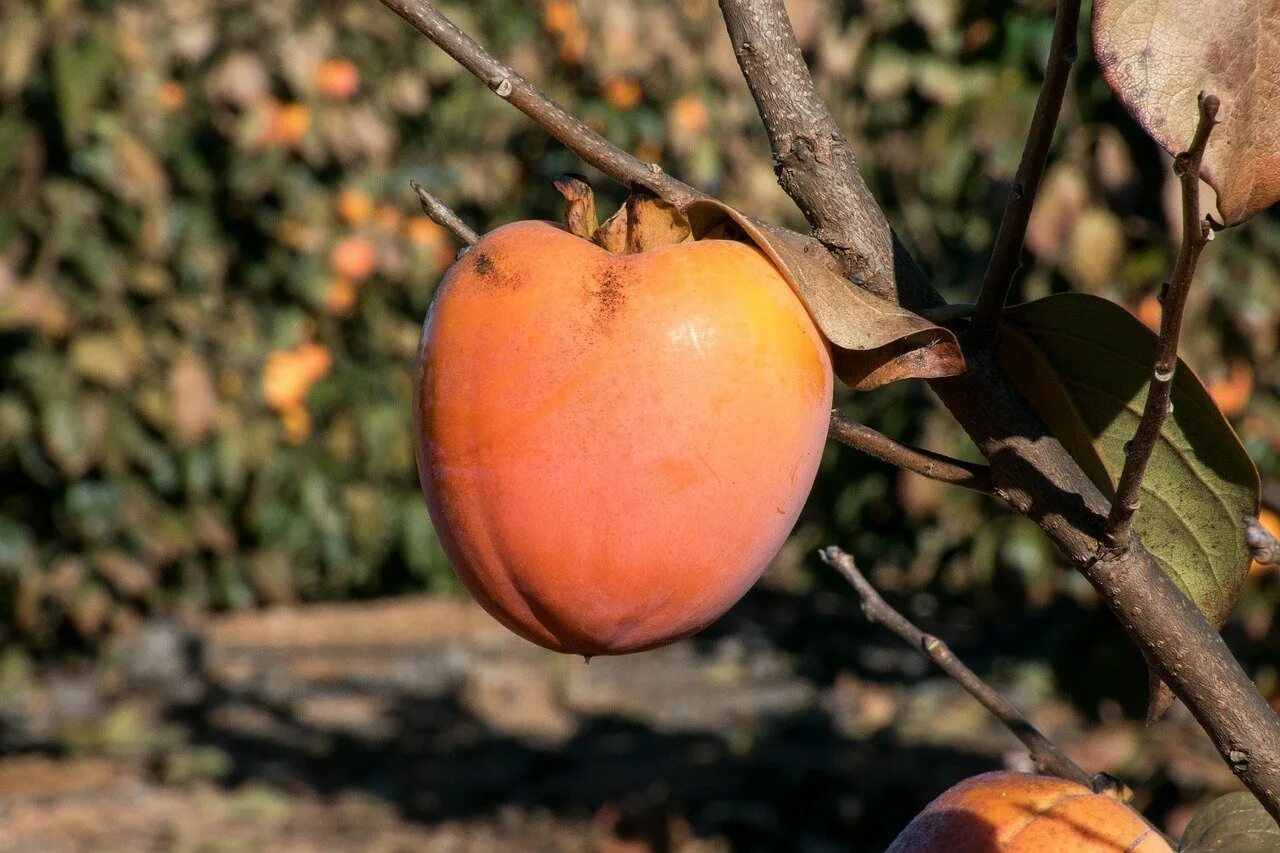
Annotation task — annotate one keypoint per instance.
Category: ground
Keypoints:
(420, 724)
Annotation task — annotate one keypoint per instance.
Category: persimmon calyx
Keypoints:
(643, 222)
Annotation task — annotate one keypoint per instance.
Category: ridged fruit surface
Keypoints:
(1022, 813)
(613, 447)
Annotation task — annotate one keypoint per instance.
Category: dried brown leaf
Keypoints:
(874, 341)
(1158, 55)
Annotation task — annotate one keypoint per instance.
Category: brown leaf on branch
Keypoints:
(1158, 55)
(874, 341)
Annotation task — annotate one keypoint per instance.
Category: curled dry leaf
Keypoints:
(1158, 55)
(874, 341)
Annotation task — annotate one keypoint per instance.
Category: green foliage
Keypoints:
(1085, 365)
(197, 411)
(1235, 822)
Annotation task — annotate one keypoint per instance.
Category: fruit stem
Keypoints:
(580, 205)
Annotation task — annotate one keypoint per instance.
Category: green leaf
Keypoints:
(1084, 364)
(1236, 822)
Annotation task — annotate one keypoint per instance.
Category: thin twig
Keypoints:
(1262, 543)
(926, 463)
(443, 216)
(1195, 234)
(1044, 753)
(524, 96)
(1006, 255)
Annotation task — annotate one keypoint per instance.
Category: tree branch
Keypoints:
(441, 215)
(926, 463)
(1006, 255)
(1173, 300)
(812, 158)
(1036, 475)
(524, 96)
(1047, 757)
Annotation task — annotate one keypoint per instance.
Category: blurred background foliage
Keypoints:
(213, 274)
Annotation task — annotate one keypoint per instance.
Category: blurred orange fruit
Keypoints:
(354, 206)
(171, 95)
(1233, 391)
(1148, 311)
(422, 231)
(289, 375)
(623, 93)
(353, 257)
(296, 421)
(338, 79)
(291, 124)
(689, 114)
(1271, 521)
(340, 298)
(573, 46)
(559, 17)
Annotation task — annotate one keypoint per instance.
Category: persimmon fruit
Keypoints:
(1020, 813)
(613, 446)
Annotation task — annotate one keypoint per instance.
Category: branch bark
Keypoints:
(1006, 255)
(812, 158)
(1264, 546)
(926, 463)
(1034, 473)
(1196, 234)
(1047, 757)
(1030, 469)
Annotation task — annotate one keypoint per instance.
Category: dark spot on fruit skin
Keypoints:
(611, 296)
(483, 265)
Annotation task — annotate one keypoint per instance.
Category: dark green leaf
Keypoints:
(1084, 364)
(1236, 822)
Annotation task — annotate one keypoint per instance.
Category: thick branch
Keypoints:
(1047, 757)
(1195, 235)
(443, 216)
(527, 98)
(812, 158)
(926, 463)
(1006, 255)
(1035, 474)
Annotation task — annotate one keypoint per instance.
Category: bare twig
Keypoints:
(926, 463)
(520, 93)
(1006, 255)
(1195, 234)
(1036, 475)
(1264, 546)
(1044, 753)
(443, 216)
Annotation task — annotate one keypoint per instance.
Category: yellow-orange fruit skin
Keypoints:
(613, 447)
(1021, 813)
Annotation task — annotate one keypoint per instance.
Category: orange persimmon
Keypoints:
(1007, 812)
(614, 446)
